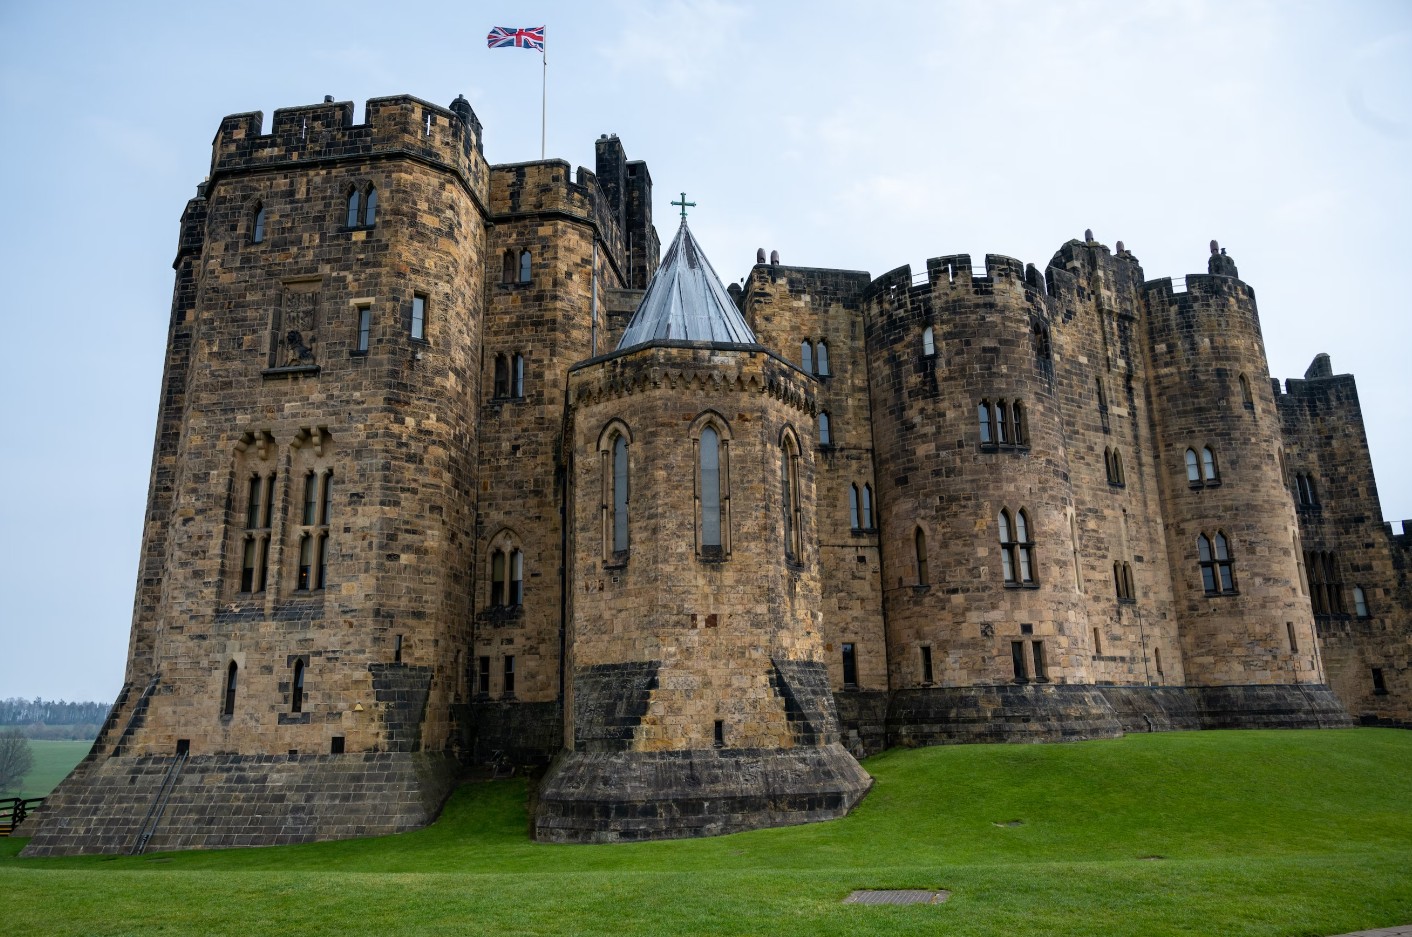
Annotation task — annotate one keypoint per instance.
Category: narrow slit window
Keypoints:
(1007, 558)
(1379, 684)
(1245, 398)
(1041, 669)
(822, 359)
(853, 507)
(719, 733)
(355, 202)
(867, 516)
(257, 231)
(620, 493)
(789, 496)
(1002, 432)
(1293, 644)
(419, 317)
(920, 542)
(926, 664)
(296, 688)
(806, 356)
(983, 415)
(1020, 427)
(1017, 660)
(1024, 548)
(825, 438)
(517, 375)
(928, 342)
(370, 207)
(306, 562)
(850, 665)
(525, 267)
(365, 327)
(507, 267)
(483, 676)
(232, 676)
(507, 686)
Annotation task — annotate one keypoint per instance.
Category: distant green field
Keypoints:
(52, 762)
(1237, 834)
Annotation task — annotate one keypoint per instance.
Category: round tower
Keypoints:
(698, 699)
(1232, 535)
(987, 631)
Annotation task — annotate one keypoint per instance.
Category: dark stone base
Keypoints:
(862, 720)
(525, 733)
(219, 801)
(1035, 712)
(1298, 706)
(1053, 713)
(1154, 708)
(601, 797)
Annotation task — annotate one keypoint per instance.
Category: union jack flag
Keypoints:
(508, 37)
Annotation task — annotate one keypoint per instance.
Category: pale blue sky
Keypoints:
(840, 137)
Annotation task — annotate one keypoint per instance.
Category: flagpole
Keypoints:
(543, 99)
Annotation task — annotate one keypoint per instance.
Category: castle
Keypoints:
(448, 469)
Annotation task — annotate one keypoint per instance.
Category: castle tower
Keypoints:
(987, 630)
(307, 561)
(1232, 536)
(699, 700)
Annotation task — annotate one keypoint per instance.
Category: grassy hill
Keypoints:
(1222, 833)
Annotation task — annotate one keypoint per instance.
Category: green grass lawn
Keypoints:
(52, 761)
(1221, 833)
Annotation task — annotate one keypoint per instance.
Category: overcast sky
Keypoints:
(845, 134)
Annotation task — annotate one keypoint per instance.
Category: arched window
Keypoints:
(1020, 430)
(1208, 466)
(525, 266)
(825, 437)
(1193, 468)
(517, 578)
(806, 356)
(1024, 547)
(228, 704)
(1113, 460)
(1007, 558)
(1245, 397)
(620, 493)
(355, 203)
(1002, 420)
(867, 512)
(517, 375)
(497, 579)
(255, 551)
(789, 485)
(507, 267)
(1016, 549)
(1217, 573)
(709, 491)
(853, 507)
(1360, 602)
(928, 342)
(257, 230)
(296, 688)
(822, 359)
(919, 540)
(1123, 581)
(370, 207)
(983, 415)
(502, 376)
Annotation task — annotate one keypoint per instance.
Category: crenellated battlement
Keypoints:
(1194, 286)
(400, 124)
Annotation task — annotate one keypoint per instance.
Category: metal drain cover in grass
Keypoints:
(897, 897)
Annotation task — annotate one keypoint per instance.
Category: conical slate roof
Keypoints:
(686, 302)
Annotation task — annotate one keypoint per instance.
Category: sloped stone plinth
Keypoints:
(600, 797)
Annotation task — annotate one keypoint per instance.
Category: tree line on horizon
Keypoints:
(53, 719)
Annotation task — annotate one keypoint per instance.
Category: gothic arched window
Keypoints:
(821, 359)
(825, 436)
(355, 203)
(928, 342)
(257, 230)
(806, 356)
(525, 266)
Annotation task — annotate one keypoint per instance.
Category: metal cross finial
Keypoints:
(684, 205)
